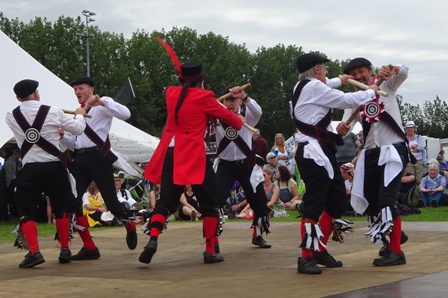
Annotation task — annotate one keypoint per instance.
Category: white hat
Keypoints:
(410, 124)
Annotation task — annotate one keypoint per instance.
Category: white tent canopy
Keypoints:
(16, 65)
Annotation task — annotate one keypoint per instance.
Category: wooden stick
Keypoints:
(73, 113)
(225, 96)
(365, 87)
(359, 109)
(230, 94)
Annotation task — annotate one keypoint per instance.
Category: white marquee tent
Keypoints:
(16, 64)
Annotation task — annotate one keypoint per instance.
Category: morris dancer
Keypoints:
(35, 127)
(93, 161)
(380, 165)
(236, 161)
(312, 101)
(180, 157)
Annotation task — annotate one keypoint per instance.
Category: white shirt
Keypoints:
(232, 152)
(100, 122)
(317, 99)
(380, 133)
(55, 119)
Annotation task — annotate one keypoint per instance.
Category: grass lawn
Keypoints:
(427, 215)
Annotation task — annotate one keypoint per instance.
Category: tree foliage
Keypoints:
(272, 72)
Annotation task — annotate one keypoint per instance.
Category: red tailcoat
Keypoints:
(189, 150)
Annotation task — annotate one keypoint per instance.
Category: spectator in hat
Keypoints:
(381, 163)
(93, 158)
(35, 127)
(180, 158)
(417, 148)
(313, 99)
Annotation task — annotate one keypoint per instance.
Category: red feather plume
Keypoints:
(172, 55)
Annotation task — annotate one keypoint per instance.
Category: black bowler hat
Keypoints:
(25, 87)
(306, 61)
(357, 62)
(82, 80)
(191, 70)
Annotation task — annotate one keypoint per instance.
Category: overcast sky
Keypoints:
(409, 32)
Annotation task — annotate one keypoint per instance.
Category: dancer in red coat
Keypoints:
(180, 157)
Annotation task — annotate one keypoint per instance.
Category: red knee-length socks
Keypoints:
(395, 236)
(63, 226)
(326, 226)
(29, 230)
(85, 234)
(157, 218)
(209, 225)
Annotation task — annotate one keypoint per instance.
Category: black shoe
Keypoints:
(85, 254)
(65, 256)
(260, 242)
(217, 249)
(403, 239)
(212, 258)
(32, 260)
(131, 238)
(390, 258)
(420, 204)
(148, 252)
(325, 259)
(434, 204)
(308, 266)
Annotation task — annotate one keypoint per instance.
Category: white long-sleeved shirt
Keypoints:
(100, 122)
(380, 133)
(252, 116)
(55, 119)
(317, 99)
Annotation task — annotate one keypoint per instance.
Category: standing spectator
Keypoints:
(361, 139)
(260, 146)
(10, 170)
(284, 156)
(93, 158)
(383, 159)
(417, 148)
(43, 166)
(347, 152)
(432, 187)
(180, 158)
(442, 165)
(324, 200)
(235, 161)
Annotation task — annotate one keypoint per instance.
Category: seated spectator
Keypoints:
(94, 207)
(442, 165)
(288, 191)
(272, 191)
(246, 213)
(154, 195)
(236, 202)
(123, 195)
(188, 207)
(432, 187)
(347, 172)
(271, 164)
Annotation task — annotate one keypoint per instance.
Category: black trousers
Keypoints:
(93, 166)
(170, 193)
(375, 192)
(228, 172)
(322, 193)
(50, 178)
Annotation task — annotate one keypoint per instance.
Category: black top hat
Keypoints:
(192, 71)
(25, 87)
(82, 80)
(357, 62)
(306, 61)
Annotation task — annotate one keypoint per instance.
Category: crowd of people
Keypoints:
(319, 176)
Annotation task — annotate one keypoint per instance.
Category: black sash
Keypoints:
(32, 133)
(318, 131)
(104, 146)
